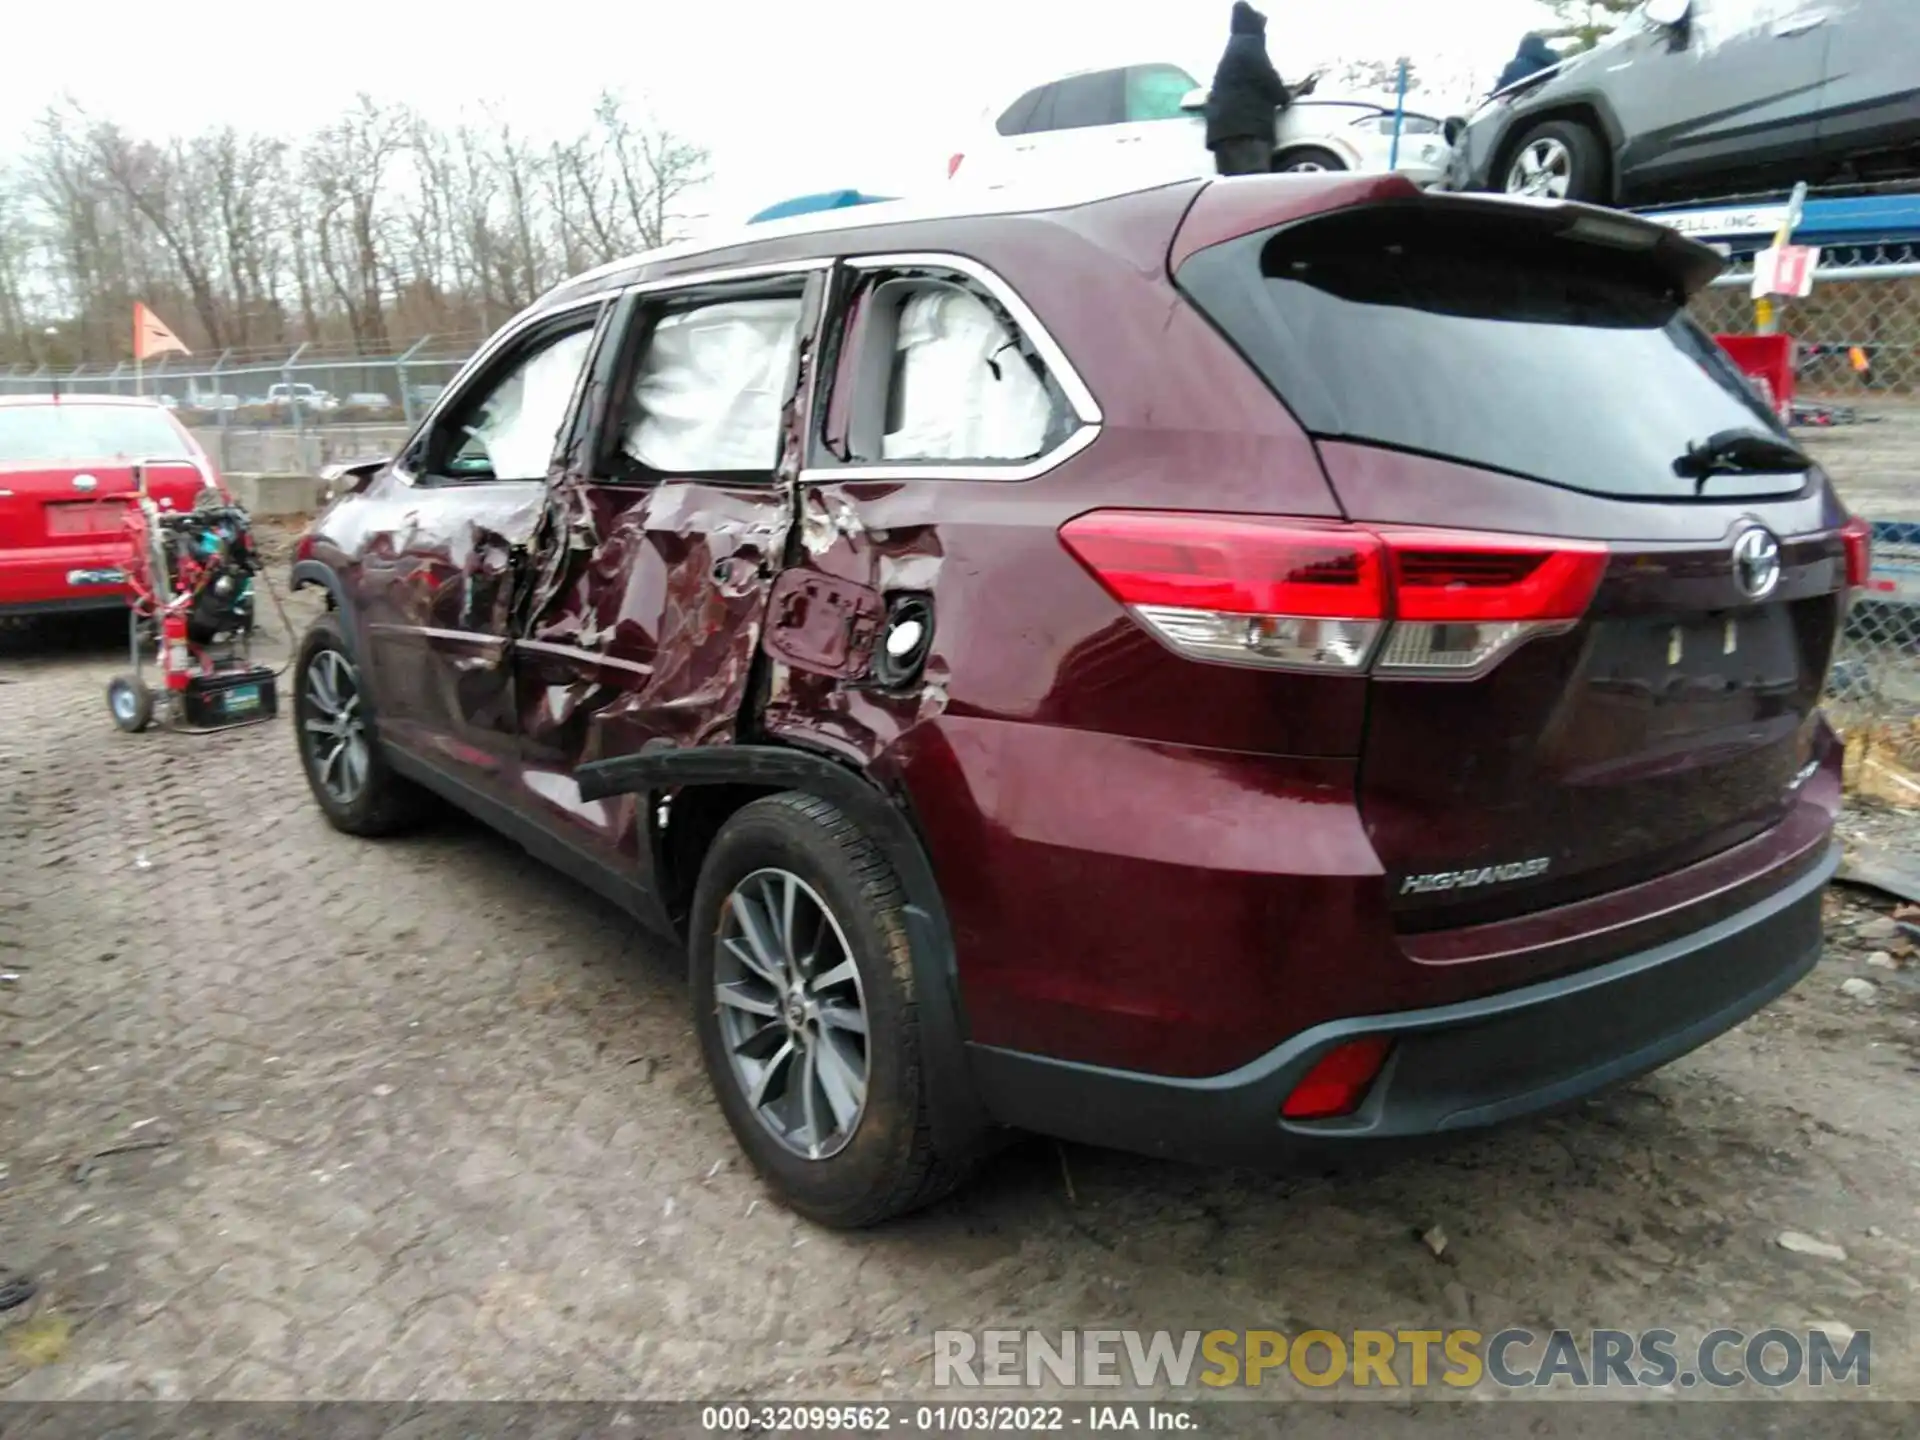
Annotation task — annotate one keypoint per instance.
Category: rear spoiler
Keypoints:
(1690, 264)
(1225, 211)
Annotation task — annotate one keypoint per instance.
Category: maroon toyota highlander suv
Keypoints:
(1252, 670)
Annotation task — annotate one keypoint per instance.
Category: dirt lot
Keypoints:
(426, 1120)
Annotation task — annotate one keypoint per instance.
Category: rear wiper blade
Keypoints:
(1739, 452)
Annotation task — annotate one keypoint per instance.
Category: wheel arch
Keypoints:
(317, 574)
(1587, 111)
(1348, 156)
(308, 574)
(734, 775)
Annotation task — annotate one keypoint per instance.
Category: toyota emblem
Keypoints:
(1756, 563)
(84, 482)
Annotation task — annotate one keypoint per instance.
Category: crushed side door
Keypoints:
(642, 627)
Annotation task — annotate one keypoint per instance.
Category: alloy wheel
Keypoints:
(1544, 167)
(335, 731)
(792, 1015)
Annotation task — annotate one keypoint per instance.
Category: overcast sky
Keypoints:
(790, 97)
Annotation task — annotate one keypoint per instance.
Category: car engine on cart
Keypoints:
(192, 588)
(211, 557)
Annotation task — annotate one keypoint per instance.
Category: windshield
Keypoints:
(75, 430)
(1476, 339)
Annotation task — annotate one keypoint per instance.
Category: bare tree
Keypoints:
(656, 170)
(376, 229)
(348, 165)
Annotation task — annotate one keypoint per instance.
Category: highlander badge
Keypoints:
(1469, 879)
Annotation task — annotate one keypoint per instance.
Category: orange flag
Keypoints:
(150, 337)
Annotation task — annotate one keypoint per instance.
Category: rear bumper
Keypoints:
(1453, 1068)
(60, 579)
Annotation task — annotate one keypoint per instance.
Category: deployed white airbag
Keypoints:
(523, 418)
(962, 390)
(710, 388)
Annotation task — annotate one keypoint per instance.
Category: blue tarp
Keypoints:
(808, 204)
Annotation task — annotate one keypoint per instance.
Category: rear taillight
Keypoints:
(1219, 587)
(1298, 594)
(1857, 536)
(1338, 1081)
(953, 165)
(1461, 601)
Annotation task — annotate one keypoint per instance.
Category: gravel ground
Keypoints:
(1873, 462)
(423, 1119)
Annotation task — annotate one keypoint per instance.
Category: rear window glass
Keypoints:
(78, 431)
(1482, 340)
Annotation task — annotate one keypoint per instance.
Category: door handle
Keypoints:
(1798, 24)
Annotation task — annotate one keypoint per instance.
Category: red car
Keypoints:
(1250, 670)
(66, 470)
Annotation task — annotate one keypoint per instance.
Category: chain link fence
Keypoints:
(288, 413)
(1857, 409)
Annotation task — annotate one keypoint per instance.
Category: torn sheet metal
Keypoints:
(821, 624)
(435, 594)
(657, 623)
(822, 689)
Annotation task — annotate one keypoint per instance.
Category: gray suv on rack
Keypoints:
(1690, 99)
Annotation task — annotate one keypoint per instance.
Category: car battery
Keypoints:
(229, 697)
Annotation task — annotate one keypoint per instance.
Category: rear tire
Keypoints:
(1308, 160)
(814, 1051)
(333, 727)
(1558, 160)
(131, 703)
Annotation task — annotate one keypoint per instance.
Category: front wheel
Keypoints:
(1559, 160)
(803, 998)
(349, 777)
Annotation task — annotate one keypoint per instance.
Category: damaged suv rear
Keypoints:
(1248, 671)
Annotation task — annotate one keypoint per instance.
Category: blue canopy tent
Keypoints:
(808, 204)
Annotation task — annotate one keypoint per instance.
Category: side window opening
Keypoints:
(940, 373)
(1020, 117)
(708, 389)
(509, 427)
(1085, 101)
(1154, 92)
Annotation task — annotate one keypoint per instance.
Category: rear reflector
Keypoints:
(953, 165)
(1339, 1080)
(1296, 594)
(1857, 536)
